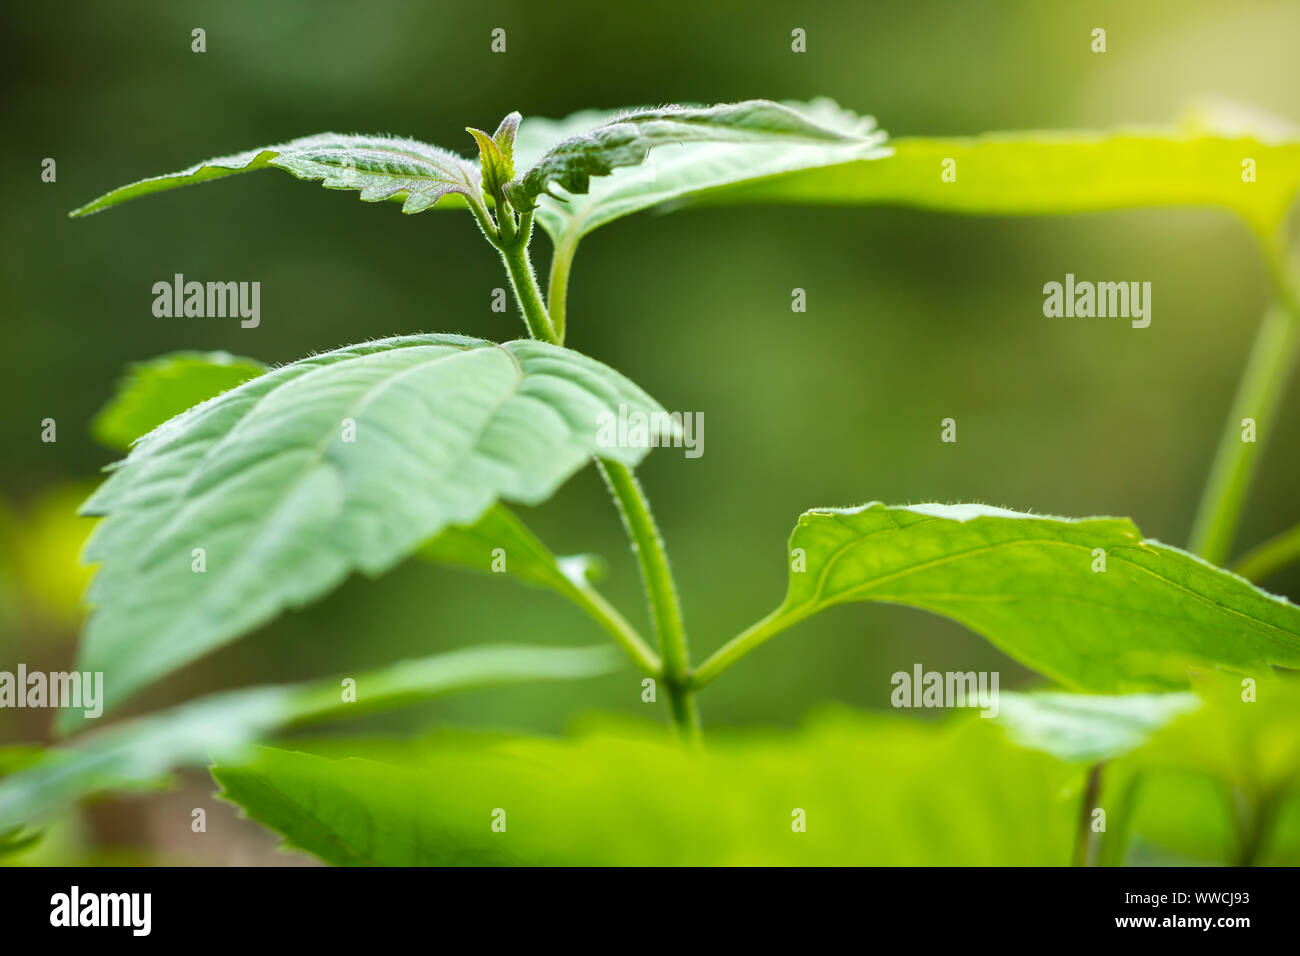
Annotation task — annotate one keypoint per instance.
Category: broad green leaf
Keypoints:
(154, 391)
(136, 753)
(687, 158)
(269, 495)
(1032, 585)
(162, 388)
(876, 790)
(379, 167)
(1198, 162)
(1088, 727)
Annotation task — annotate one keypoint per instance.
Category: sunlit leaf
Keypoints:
(1198, 162)
(1088, 602)
(379, 167)
(269, 495)
(686, 168)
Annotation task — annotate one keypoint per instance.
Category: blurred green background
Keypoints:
(912, 316)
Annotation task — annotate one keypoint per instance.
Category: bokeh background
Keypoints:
(912, 316)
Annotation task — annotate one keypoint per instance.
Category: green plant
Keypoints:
(256, 500)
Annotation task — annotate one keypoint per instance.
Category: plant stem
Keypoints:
(1083, 840)
(672, 665)
(1272, 358)
(1119, 821)
(618, 628)
(1255, 814)
(661, 593)
(524, 281)
(557, 292)
(740, 645)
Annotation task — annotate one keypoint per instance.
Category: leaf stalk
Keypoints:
(1272, 359)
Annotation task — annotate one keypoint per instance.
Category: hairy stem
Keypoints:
(672, 665)
(1272, 358)
(661, 593)
(524, 282)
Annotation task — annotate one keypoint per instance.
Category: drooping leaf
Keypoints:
(162, 388)
(1089, 727)
(711, 145)
(379, 167)
(137, 753)
(499, 542)
(1032, 585)
(1198, 162)
(500, 537)
(267, 496)
(850, 789)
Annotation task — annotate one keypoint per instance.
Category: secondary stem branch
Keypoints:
(624, 634)
(740, 645)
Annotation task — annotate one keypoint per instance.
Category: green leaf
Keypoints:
(1027, 583)
(500, 542)
(1195, 163)
(500, 535)
(162, 388)
(712, 145)
(349, 460)
(496, 154)
(137, 753)
(379, 167)
(504, 138)
(1088, 727)
(873, 789)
